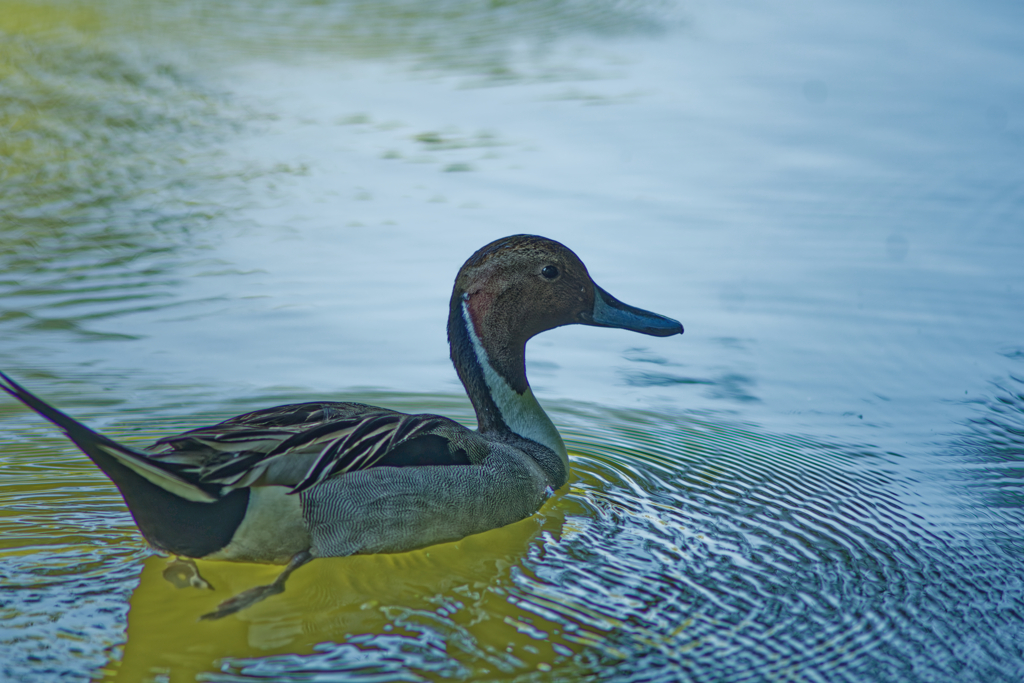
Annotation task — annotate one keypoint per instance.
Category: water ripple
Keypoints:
(684, 548)
(101, 198)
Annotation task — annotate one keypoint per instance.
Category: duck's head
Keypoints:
(507, 292)
(519, 286)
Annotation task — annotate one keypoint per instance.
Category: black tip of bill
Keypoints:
(610, 312)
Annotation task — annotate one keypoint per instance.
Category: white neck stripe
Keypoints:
(521, 412)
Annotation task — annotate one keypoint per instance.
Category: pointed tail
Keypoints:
(95, 444)
(174, 514)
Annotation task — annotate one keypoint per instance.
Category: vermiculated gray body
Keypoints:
(393, 510)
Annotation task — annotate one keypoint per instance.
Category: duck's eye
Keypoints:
(549, 272)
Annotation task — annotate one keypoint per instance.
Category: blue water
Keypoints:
(211, 209)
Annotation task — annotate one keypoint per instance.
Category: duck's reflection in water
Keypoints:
(449, 588)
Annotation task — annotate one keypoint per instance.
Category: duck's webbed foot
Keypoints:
(253, 595)
(243, 600)
(183, 573)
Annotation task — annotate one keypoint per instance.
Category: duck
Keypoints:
(292, 483)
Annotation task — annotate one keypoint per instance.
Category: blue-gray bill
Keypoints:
(610, 312)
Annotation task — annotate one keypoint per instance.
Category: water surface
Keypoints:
(209, 209)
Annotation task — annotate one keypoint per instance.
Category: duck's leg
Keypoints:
(254, 595)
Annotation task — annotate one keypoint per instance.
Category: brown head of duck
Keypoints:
(509, 291)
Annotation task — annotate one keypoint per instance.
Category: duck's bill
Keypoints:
(610, 312)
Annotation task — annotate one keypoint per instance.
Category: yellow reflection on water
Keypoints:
(456, 589)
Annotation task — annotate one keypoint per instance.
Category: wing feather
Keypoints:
(304, 444)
